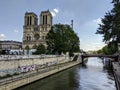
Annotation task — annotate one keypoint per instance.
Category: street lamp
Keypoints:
(119, 52)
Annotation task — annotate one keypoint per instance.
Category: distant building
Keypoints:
(10, 46)
(34, 34)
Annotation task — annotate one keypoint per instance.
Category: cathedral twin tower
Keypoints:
(35, 34)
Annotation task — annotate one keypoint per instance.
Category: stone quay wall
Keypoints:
(19, 64)
(20, 80)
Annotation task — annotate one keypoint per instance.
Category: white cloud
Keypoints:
(91, 25)
(91, 41)
(92, 46)
(16, 31)
(54, 12)
(98, 21)
(2, 37)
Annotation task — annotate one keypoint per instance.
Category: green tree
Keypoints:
(110, 27)
(99, 52)
(108, 49)
(27, 48)
(105, 50)
(115, 1)
(40, 50)
(61, 38)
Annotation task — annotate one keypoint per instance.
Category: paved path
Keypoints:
(116, 70)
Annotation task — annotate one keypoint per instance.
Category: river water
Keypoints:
(93, 75)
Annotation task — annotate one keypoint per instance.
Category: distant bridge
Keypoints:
(115, 57)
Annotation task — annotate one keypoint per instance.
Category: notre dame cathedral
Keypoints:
(34, 33)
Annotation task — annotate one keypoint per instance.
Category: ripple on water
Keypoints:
(92, 76)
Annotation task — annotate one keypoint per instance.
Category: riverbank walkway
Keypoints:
(116, 71)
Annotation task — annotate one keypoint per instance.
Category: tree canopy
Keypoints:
(40, 49)
(115, 1)
(61, 38)
(110, 27)
(27, 48)
(108, 49)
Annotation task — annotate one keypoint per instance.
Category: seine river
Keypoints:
(94, 75)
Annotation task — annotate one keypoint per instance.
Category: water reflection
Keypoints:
(91, 76)
(94, 77)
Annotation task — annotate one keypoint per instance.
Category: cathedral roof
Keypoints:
(47, 11)
(30, 13)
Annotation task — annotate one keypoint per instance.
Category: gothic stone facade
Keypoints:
(35, 34)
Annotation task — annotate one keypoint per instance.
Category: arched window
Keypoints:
(43, 19)
(28, 20)
(29, 38)
(46, 19)
(36, 36)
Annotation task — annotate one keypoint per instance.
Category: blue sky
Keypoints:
(85, 13)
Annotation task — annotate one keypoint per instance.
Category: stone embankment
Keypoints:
(42, 71)
(18, 64)
(116, 71)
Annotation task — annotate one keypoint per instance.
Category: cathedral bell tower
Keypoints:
(30, 28)
(34, 34)
(45, 23)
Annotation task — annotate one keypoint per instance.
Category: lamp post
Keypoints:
(119, 52)
(119, 47)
